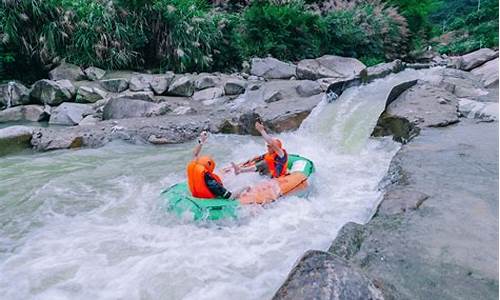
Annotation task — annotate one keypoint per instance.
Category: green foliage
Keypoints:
(103, 35)
(477, 29)
(185, 34)
(287, 32)
(371, 31)
(227, 54)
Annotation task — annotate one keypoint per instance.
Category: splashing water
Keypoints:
(88, 224)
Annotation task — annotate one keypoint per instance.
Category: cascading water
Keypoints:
(87, 224)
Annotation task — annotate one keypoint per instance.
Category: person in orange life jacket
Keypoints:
(202, 181)
(272, 163)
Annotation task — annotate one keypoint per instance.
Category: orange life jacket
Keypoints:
(196, 180)
(271, 160)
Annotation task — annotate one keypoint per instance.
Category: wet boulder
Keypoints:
(478, 110)
(52, 92)
(475, 59)
(94, 73)
(321, 275)
(67, 71)
(115, 85)
(182, 86)
(234, 87)
(30, 113)
(488, 73)
(86, 94)
(384, 69)
(271, 68)
(329, 66)
(122, 108)
(70, 113)
(13, 93)
(15, 138)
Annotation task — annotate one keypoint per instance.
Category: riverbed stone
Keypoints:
(30, 113)
(15, 138)
(160, 83)
(488, 73)
(122, 108)
(182, 86)
(205, 81)
(13, 93)
(307, 88)
(114, 85)
(478, 110)
(67, 71)
(86, 94)
(89, 120)
(52, 92)
(208, 94)
(143, 95)
(70, 113)
(475, 59)
(94, 73)
(140, 82)
(384, 69)
(272, 68)
(234, 87)
(321, 275)
(330, 66)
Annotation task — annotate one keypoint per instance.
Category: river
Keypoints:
(88, 224)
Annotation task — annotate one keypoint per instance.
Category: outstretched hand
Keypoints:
(236, 169)
(259, 126)
(203, 137)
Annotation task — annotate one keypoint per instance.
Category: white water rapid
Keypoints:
(88, 224)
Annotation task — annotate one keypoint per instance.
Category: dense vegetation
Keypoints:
(201, 35)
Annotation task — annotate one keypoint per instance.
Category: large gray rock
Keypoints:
(30, 113)
(13, 93)
(329, 66)
(70, 113)
(159, 84)
(52, 92)
(115, 85)
(122, 108)
(94, 73)
(87, 94)
(208, 94)
(307, 88)
(384, 69)
(140, 82)
(182, 86)
(477, 58)
(234, 87)
(205, 81)
(463, 84)
(478, 110)
(67, 71)
(15, 138)
(271, 68)
(488, 73)
(320, 275)
(146, 96)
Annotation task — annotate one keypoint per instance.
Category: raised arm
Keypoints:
(201, 140)
(269, 140)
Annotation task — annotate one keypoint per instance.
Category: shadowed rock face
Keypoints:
(14, 138)
(320, 275)
(435, 235)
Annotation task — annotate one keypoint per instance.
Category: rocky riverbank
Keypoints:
(435, 232)
(90, 107)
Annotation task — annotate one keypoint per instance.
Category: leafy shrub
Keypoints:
(475, 30)
(184, 34)
(287, 32)
(102, 34)
(227, 54)
(371, 31)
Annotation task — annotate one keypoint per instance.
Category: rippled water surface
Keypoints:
(89, 224)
